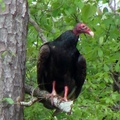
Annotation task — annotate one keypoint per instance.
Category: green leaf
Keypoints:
(88, 11)
(9, 100)
(55, 13)
(114, 96)
(4, 53)
(108, 101)
(80, 4)
(2, 4)
(100, 52)
(105, 10)
(117, 67)
(101, 39)
(106, 68)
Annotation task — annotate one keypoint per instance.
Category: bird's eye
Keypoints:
(84, 27)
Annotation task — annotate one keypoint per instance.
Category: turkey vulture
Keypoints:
(61, 69)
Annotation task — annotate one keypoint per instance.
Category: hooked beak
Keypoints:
(91, 33)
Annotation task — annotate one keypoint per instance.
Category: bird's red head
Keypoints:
(82, 28)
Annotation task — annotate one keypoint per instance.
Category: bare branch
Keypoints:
(29, 103)
(40, 31)
(75, 17)
(116, 82)
(108, 32)
(42, 96)
(116, 107)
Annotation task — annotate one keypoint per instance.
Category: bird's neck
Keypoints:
(76, 32)
(67, 39)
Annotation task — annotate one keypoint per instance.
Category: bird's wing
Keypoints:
(44, 54)
(80, 74)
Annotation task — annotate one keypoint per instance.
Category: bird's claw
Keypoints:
(51, 96)
(63, 99)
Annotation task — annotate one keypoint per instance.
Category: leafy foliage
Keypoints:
(2, 6)
(97, 97)
(8, 100)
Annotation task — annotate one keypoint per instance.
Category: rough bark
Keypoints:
(13, 30)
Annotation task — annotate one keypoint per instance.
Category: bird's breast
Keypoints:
(62, 61)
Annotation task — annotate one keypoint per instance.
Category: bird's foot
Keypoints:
(51, 96)
(64, 99)
(65, 94)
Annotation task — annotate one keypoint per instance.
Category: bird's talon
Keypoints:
(51, 96)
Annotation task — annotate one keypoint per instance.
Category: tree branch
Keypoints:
(40, 31)
(42, 96)
(115, 76)
(116, 107)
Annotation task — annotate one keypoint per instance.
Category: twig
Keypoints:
(40, 31)
(115, 81)
(108, 32)
(76, 18)
(116, 107)
(29, 103)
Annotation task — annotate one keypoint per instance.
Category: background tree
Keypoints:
(54, 17)
(13, 31)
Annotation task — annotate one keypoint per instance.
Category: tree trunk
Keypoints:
(13, 30)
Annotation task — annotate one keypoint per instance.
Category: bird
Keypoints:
(61, 68)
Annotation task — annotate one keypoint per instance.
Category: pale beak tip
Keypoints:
(91, 33)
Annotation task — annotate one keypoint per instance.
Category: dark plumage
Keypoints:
(61, 69)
